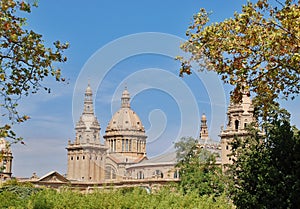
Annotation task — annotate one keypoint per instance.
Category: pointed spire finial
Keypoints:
(89, 84)
(88, 90)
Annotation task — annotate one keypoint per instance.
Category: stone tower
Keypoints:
(238, 116)
(125, 133)
(86, 156)
(203, 128)
(5, 160)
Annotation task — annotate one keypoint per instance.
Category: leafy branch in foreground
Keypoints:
(258, 50)
(24, 63)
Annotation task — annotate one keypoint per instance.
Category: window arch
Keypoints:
(140, 175)
(236, 124)
(110, 172)
(176, 174)
(158, 174)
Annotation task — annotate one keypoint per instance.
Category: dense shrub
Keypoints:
(111, 198)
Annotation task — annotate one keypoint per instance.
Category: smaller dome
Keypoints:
(88, 90)
(203, 117)
(125, 94)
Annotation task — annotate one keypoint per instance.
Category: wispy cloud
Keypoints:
(39, 155)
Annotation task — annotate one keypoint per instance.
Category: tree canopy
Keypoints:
(258, 50)
(198, 170)
(25, 62)
(267, 168)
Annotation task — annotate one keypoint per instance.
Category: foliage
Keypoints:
(116, 198)
(184, 146)
(13, 193)
(258, 50)
(198, 170)
(267, 168)
(21, 190)
(24, 62)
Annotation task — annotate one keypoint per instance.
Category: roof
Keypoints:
(53, 176)
(119, 158)
(125, 120)
(164, 159)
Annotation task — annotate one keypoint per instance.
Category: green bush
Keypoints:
(133, 198)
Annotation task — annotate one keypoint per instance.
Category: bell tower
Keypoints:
(86, 156)
(239, 115)
(203, 128)
(5, 160)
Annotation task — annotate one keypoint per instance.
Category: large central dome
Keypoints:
(125, 132)
(125, 119)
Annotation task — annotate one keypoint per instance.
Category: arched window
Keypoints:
(140, 175)
(236, 123)
(158, 174)
(176, 174)
(110, 173)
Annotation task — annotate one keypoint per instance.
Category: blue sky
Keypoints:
(98, 32)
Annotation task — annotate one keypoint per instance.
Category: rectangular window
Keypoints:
(115, 142)
(126, 145)
(130, 145)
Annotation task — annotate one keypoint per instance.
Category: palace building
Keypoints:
(122, 159)
(123, 154)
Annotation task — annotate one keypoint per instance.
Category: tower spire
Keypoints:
(88, 100)
(203, 128)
